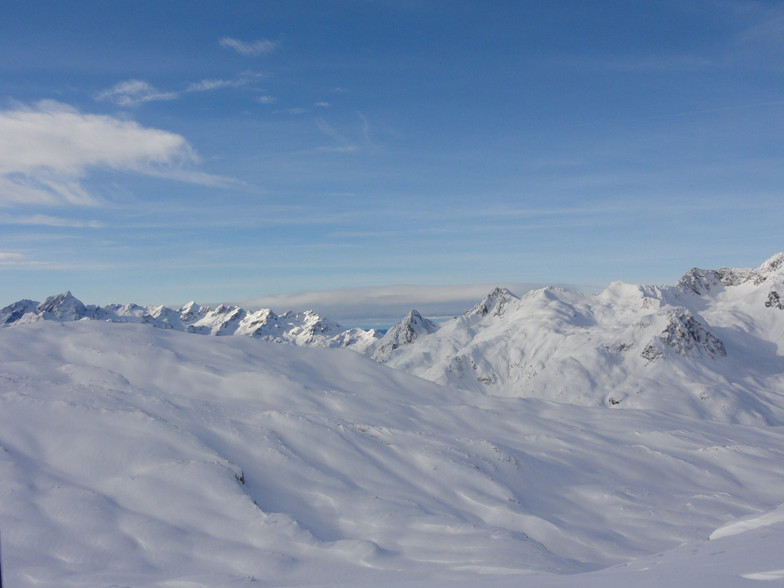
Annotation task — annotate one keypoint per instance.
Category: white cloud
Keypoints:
(45, 151)
(209, 85)
(266, 99)
(133, 92)
(260, 47)
(217, 84)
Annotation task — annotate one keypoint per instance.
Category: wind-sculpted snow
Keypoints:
(132, 456)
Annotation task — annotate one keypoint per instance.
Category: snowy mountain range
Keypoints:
(708, 346)
(137, 456)
(303, 328)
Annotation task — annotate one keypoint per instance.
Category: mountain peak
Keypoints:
(772, 264)
(307, 328)
(14, 312)
(405, 332)
(494, 303)
(701, 281)
(63, 306)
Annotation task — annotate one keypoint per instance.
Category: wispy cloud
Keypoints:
(133, 92)
(266, 99)
(652, 64)
(48, 221)
(209, 85)
(338, 149)
(343, 144)
(13, 259)
(47, 149)
(348, 138)
(259, 47)
(761, 42)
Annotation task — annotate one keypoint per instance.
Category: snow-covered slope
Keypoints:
(710, 346)
(132, 456)
(304, 328)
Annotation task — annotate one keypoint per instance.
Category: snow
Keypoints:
(138, 456)
(303, 328)
(403, 333)
(710, 347)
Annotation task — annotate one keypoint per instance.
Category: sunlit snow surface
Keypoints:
(133, 456)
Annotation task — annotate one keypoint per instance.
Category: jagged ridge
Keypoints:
(304, 328)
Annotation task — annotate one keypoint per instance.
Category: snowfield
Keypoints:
(138, 456)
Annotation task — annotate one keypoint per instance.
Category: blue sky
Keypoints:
(159, 152)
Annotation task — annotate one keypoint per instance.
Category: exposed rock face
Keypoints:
(774, 301)
(684, 334)
(700, 281)
(64, 307)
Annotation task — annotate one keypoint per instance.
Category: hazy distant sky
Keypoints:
(159, 152)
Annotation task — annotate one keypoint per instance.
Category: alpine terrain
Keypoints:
(631, 437)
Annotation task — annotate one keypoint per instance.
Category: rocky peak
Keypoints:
(63, 306)
(685, 335)
(772, 265)
(700, 281)
(494, 303)
(190, 312)
(404, 333)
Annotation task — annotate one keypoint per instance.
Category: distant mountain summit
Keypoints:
(403, 333)
(700, 281)
(494, 303)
